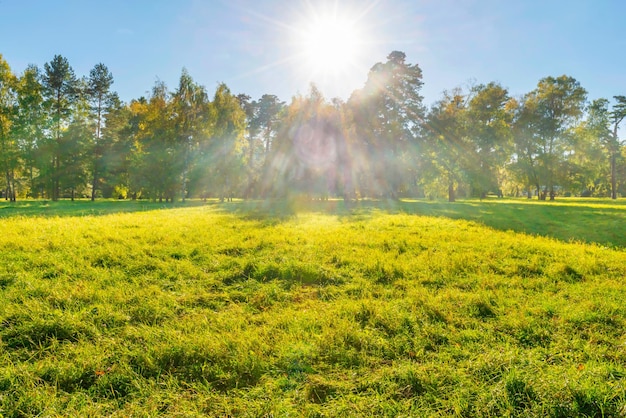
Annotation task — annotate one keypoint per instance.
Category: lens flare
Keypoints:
(314, 146)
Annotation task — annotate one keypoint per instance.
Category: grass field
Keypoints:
(414, 308)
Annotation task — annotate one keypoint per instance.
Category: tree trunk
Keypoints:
(8, 192)
(267, 140)
(57, 169)
(183, 186)
(14, 195)
(250, 167)
(33, 192)
(613, 176)
(94, 184)
(451, 197)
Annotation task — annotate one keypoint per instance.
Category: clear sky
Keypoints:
(270, 46)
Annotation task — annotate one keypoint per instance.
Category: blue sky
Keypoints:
(249, 44)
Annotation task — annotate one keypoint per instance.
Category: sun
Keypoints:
(330, 46)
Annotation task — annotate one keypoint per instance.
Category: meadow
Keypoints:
(413, 308)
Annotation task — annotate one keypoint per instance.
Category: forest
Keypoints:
(64, 136)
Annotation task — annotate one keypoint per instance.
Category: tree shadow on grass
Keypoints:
(79, 208)
(280, 210)
(584, 221)
(601, 221)
(594, 221)
(589, 222)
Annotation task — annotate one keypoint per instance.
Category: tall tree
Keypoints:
(60, 91)
(137, 133)
(250, 108)
(488, 122)
(8, 112)
(558, 103)
(118, 137)
(226, 144)
(585, 167)
(617, 116)
(190, 102)
(270, 109)
(76, 145)
(308, 153)
(603, 125)
(100, 96)
(447, 143)
(269, 117)
(161, 154)
(388, 113)
(30, 124)
(527, 140)
(263, 122)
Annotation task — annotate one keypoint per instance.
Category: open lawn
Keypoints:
(410, 308)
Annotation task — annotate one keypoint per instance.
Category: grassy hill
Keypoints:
(317, 309)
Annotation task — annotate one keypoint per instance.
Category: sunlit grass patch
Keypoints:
(361, 311)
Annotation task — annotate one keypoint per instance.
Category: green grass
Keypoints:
(267, 309)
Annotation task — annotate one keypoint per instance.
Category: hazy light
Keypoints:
(331, 47)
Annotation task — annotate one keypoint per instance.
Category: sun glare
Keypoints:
(330, 47)
(330, 43)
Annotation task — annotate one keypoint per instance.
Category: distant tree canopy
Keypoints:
(62, 136)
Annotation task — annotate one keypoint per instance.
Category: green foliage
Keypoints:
(190, 105)
(489, 127)
(226, 145)
(374, 309)
(61, 90)
(264, 120)
(387, 115)
(308, 155)
(63, 136)
(446, 144)
(101, 99)
(9, 155)
(29, 130)
(545, 121)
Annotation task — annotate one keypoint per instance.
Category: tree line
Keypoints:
(62, 136)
